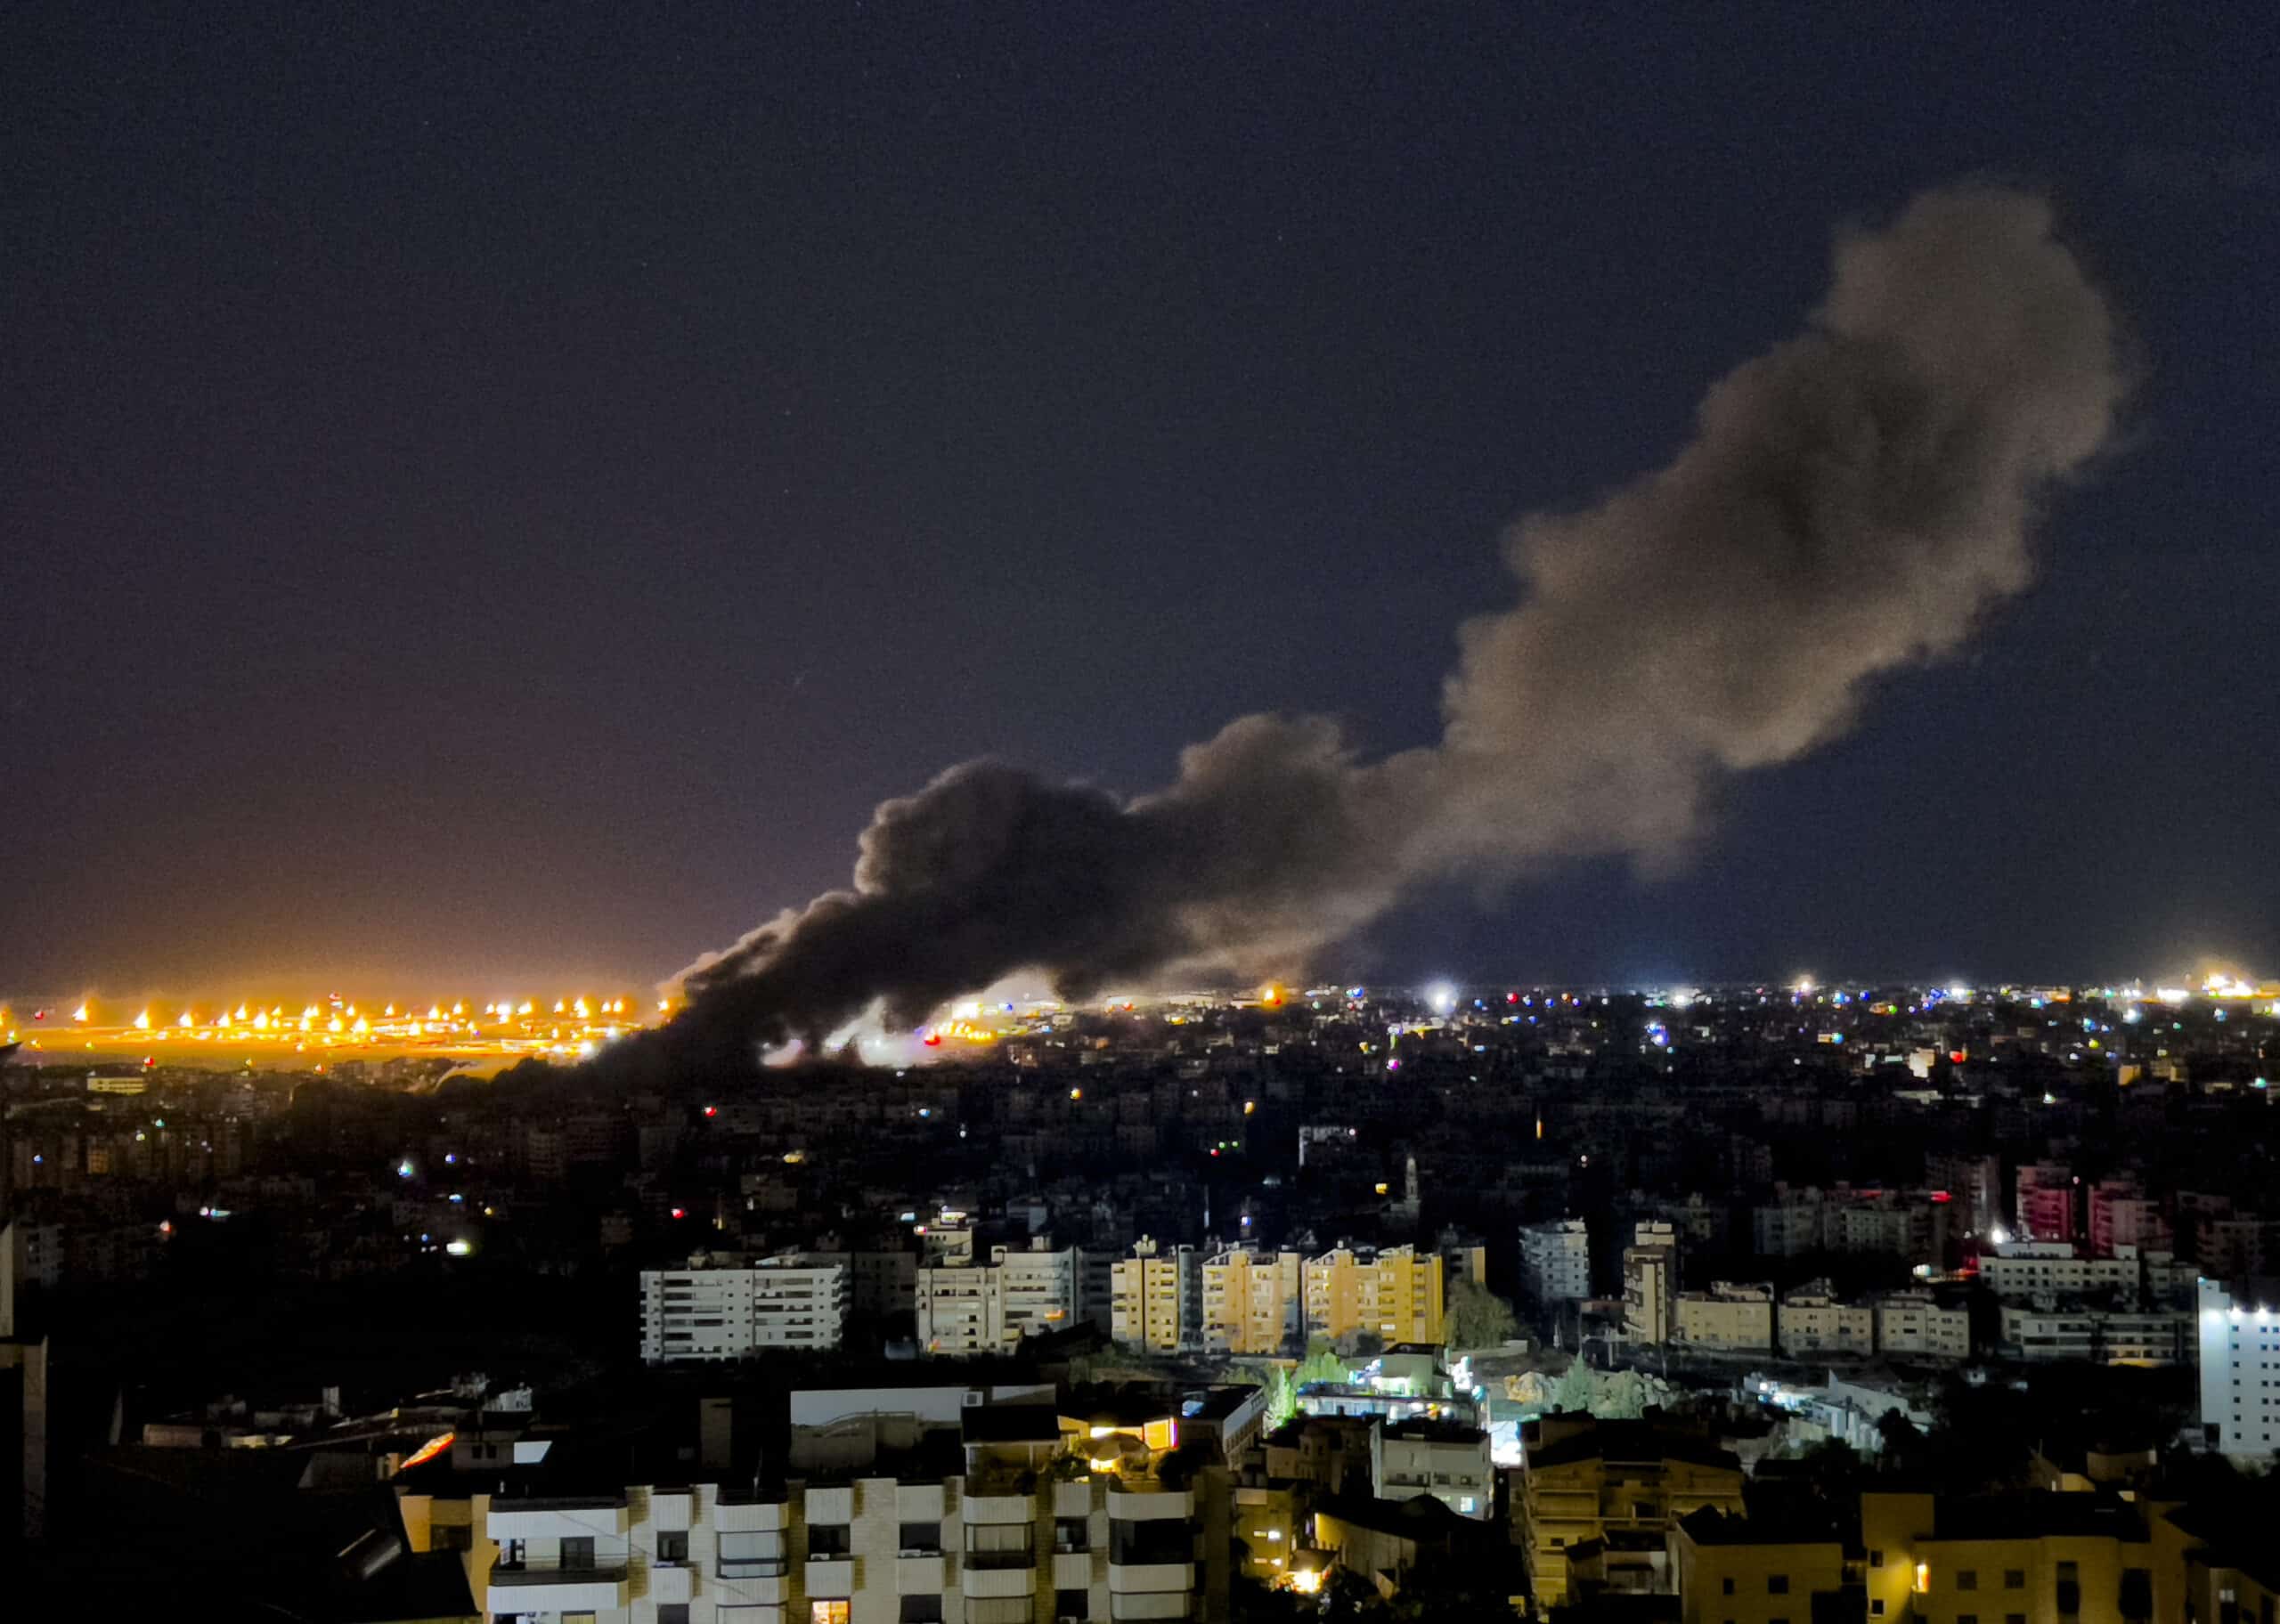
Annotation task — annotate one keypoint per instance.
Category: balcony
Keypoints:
(551, 1588)
(982, 1583)
(670, 1582)
(1159, 1604)
(576, 1517)
(1149, 1578)
(920, 1575)
(829, 1578)
(1134, 1500)
(1071, 1570)
(994, 1561)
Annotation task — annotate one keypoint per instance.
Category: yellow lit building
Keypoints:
(1727, 1317)
(1251, 1300)
(1588, 1480)
(1397, 1293)
(1730, 1570)
(2042, 1557)
(1147, 1298)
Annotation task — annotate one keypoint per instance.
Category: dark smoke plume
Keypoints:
(1851, 503)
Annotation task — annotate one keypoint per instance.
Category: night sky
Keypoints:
(494, 495)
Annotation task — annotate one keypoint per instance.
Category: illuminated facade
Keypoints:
(1251, 1300)
(1814, 1319)
(968, 1308)
(1556, 1261)
(1727, 1318)
(723, 1308)
(1587, 1479)
(1397, 1293)
(1915, 1323)
(2238, 1343)
(1149, 1294)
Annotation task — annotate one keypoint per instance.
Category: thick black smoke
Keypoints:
(1851, 501)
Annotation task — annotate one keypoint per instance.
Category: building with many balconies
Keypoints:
(723, 1307)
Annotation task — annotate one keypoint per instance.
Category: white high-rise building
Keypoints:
(2240, 1372)
(988, 1307)
(1556, 1261)
(725, 1307)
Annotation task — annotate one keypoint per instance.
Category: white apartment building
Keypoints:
(1449, 1462)
(1727, 1319)
(1814, 1319)
(725, 1307)
(2239, 1349)
(2023, 1269)
(994, 1513)
(971, 1308)
(1913, 1324)
(1556, 1261)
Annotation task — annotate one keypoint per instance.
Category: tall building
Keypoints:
(1556, 1261)
(1148, 1300)
(2046, 1196)
(1650, 1277)
(1397, 1293)
(2122, 1215)
(971, 1308)
(722, 1307)
(2239, 1343)
(1586, 1480)
(1252, 1301)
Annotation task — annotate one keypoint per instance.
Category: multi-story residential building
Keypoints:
(2044, 1557)
(1395, 1293)
(2239, 1246)
(1974, 1185)
(1252, 1301)
(2048, 1194)
(1914, 1324)
(1726, 1567)
(1586, 1479)
(966, 1308)
(1441, 1458)
(1728, 1318)
(1148, 1300)
(1814, 1319)
(1650, 1276)
(2238, 1344)
(2036, 1269)
(924, 1503)
(2120, 1215)
(1556, 1261)
(2043, 1331)
(725, 1307)
(1790, 1225)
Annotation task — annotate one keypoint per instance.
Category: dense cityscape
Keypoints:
(1569, 1300)
(860, 814)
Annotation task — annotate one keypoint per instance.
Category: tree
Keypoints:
(1622, 1397)
(1281, 1398)
(1321, 1366)
(1477, 1318)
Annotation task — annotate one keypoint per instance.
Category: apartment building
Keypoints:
(2122, 1215)
(1585, 1480)
(2238, 1344)
(970, 1308)
(2040, 1332)
(1728, 1318)
(1253, 1301)
(2031, 1269)
(1441, 1458)
(1650, 1276)
(1913, 1324)
(2048, 1195)
(1152, 1291)
(2073, 1557)
(1814, 1319)
(1397, 1293)
(963, 1505)
(1556, 1261)
(725, 1307)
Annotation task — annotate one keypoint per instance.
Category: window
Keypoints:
(922, 1610)
(1072, 1604)
(451, 1537)
(1073, 1533)
(1967, 1579)
(1876, 1606)
(672, 1545)
(2015, 1578)
(672, 1612)
(920, 1539)
(1726, 1587)
(578, 1553)
(999, 1545)
(827, 1540)
(1777, 1584)
(834, 1612)
(2014, 1618)
(1967, 1618)
(1875, 1559)
(1162, 1539)
(751, 1555)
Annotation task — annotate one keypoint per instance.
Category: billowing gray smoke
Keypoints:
(1851, 502)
